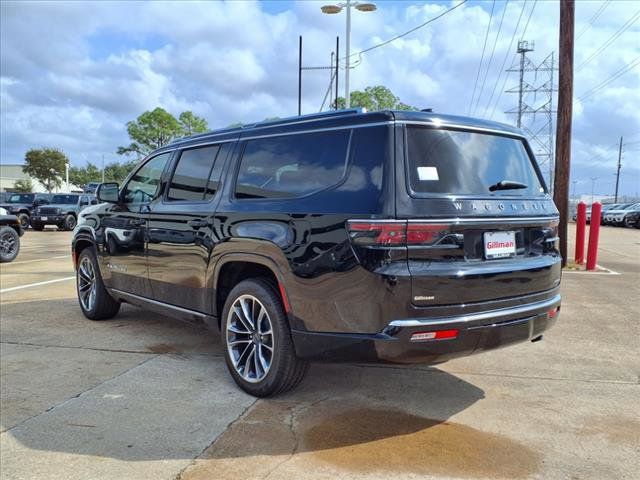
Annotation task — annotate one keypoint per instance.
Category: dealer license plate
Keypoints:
(499, 244)
(44, 219)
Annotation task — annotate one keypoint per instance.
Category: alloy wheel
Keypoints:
(87, 284)
(250, 341)
(7, 243)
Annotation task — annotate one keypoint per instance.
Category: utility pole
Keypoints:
(563, 128)
(300, 76)
(573, 195)
(618, 172)
(337, 65)
(103, 168)
(593, 186)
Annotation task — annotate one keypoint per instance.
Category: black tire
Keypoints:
(285, 369)
(103, 306)
(69, 222)
(628, 222)
(23, 218)
(9, 244)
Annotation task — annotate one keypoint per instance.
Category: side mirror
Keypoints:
(108, 192)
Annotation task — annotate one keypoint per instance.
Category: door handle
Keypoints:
(198, 223)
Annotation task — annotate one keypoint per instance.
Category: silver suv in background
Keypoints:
(621, 215)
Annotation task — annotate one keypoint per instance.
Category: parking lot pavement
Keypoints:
(146, 397)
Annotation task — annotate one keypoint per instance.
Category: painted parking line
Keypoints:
(37, 284)
(39, 260)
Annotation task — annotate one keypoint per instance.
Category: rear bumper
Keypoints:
(476, 332)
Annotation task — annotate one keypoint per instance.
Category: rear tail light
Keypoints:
(553, 313)
(394, 233)
(378, 233)
(437, 335)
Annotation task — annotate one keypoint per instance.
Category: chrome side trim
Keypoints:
(157, 303)
(439, 124)
(475, 317)
(482, 220)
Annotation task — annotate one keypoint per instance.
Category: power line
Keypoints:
(611, 39)
(504, 62)
(484, 46)
(493, 50)
(594, 17)
(628, 67)
(386, 42)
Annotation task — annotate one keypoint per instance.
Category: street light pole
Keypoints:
(347, 95)
(333, 9)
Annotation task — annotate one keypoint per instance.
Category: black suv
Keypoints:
(22, 204)
(390, 236)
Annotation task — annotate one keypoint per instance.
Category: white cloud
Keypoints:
(73, 74)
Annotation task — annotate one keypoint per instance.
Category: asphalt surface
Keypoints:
(147, 397)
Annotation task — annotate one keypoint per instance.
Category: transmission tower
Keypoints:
(535, 102)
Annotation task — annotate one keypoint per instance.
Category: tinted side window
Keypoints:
(191, 175)
(291, 166)
(145, 183)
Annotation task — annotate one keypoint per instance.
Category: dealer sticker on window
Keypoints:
(499, 244)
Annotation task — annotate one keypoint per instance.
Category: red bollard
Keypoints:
(581, 226)
(594, 233)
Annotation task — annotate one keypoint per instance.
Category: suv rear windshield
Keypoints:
(469, 163)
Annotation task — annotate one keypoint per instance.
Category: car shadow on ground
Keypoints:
(363, 417)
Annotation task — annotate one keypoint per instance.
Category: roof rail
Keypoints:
(276, 121)
(310, 116)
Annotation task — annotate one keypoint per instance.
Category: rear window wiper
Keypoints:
(507, 185)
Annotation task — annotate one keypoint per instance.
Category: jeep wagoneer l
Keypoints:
(399, 237)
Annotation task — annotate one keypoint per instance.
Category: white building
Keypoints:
(11, 172)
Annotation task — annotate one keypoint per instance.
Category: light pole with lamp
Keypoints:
(337, 8)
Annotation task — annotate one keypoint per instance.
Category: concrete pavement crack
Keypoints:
(111, 350)
(291, 423)
(217, 437)
(79, 394)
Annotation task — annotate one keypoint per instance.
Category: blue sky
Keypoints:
(92, 66)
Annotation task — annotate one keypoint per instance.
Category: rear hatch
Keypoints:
(479, 223)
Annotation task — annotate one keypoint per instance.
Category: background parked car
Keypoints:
(617, 215)
(62, 211)
(91, 187)
(22, 204)
(10, 233)
(632, 219)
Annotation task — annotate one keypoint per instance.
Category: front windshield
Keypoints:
(21, 198)
(64, 199)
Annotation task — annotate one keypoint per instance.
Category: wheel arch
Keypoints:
(84, 239)
(236, 267)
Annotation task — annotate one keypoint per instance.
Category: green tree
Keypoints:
(117, 172)
(151, 130)
(82, 175)
(374, 99)
(192, 124)
(45, 165)
(23, 186)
